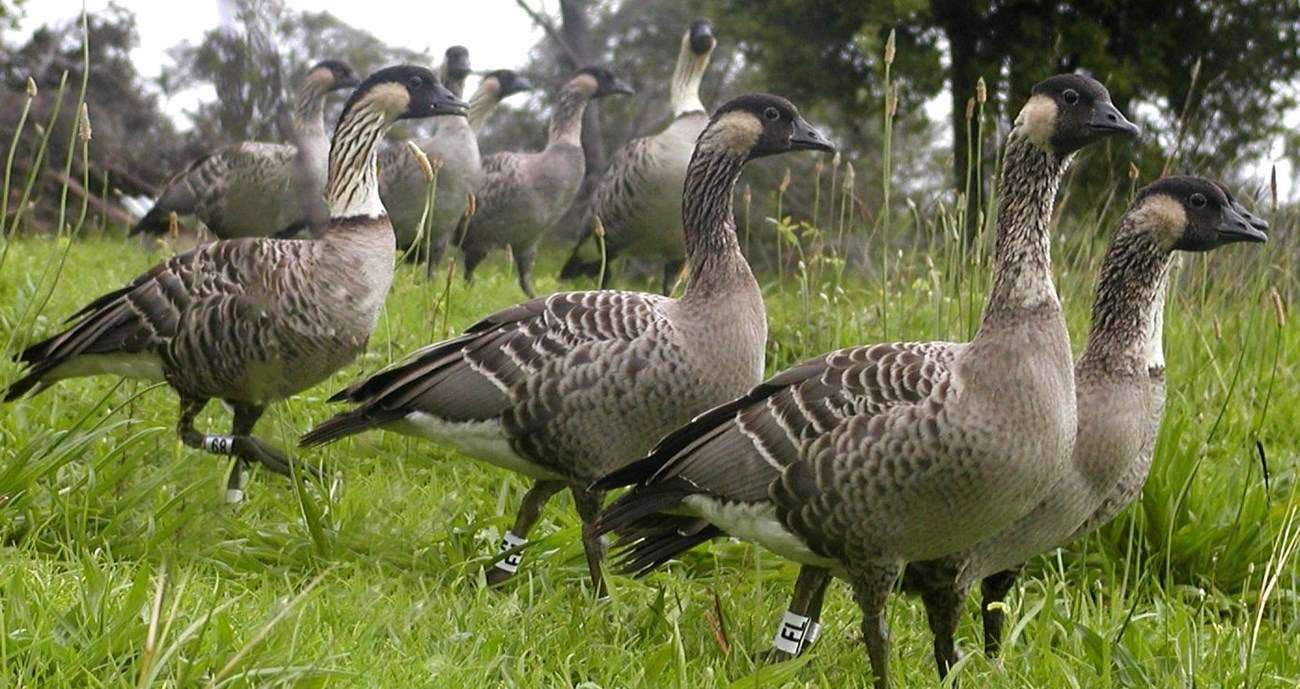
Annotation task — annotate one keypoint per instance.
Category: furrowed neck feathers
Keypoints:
(1022, 277)
(353, 188)
(1127, 315)
(708, 220)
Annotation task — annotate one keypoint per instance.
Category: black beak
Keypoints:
(520, 84)
(620, 86)
(805, 138)
(444, 103)
(1105, 118)
(1254, 220)
(349, 81)
(1241, 227)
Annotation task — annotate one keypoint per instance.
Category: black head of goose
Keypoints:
(495, 86)
(525, 193)
(252, 321)
(868, 457)
(638, 200)
(1120, 387)
(232, 188)
(455, 69)
(565, 388)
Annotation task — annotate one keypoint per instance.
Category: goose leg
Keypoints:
(529, 511)
(943, 604)
(994, 589)
(215, 444)
(672, 268)
(588, 504)
(248, 449)
(524, 259)
(871, 589)
(797, 629)
(472, 259)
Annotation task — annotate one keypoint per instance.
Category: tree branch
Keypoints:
(551, 32)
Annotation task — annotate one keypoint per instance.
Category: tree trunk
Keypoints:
(576, 30)
(960, 20)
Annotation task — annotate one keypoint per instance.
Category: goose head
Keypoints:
(700, 38)
(508, 82)
(1069, 111)
(404, 92)
(455, 64)
(1187, 213)
(600, 82)
(1254, 220)
(333, 75)
(758, 124)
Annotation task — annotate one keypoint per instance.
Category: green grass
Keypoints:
(123, 567)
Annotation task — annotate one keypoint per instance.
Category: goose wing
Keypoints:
(481, 374)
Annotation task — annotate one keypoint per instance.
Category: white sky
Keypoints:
(500, 42)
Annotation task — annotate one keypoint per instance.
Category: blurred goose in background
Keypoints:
(858, 461)
(453, 149)
(639, 199)
(254, 320)
(566, 388)
(252, 188)
(525, 193)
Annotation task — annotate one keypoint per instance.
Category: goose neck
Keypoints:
(566, 120)
(309, 112)
(1022, 273)
(708, 221)
(481, 104)
(353, 187)
(684, 91)
(1127, 314)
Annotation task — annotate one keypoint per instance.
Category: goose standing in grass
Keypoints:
(252, 188)
(525, 193)
(869, 457)
(639, 199)
(565, 388)
(252, 321)
(1120, 384)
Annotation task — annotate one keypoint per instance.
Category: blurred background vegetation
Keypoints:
(1210, 82)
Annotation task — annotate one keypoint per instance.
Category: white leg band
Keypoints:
(510, 563)
(234, 496)
(790, 636)
(218, 444)
(814, 633)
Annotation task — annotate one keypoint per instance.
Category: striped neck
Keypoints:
(708, 221)
(1125, 335)
(353, 187)
(1022, 272)
(309, 111)
(483, 102)
(566, 120)
(684, 91)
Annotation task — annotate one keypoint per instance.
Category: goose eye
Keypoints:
(772, 114)
(1198, 201)
(1070, 96)
(414, 83)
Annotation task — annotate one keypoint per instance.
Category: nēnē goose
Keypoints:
(525, 193)
(869, 457)
(253, 188)
(251, 321)
(495, 86)
(639, 199)
(454, 147)
(1120, 388)
(564, 388)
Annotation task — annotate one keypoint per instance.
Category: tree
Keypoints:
(131, 138)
